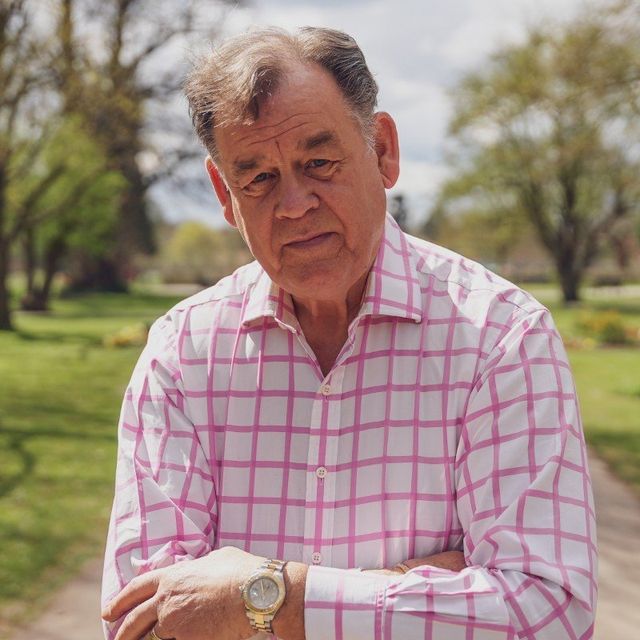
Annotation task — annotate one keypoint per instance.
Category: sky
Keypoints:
(417, 50)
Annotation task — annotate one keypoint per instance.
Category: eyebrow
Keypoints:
(317, 140)
(240, 167)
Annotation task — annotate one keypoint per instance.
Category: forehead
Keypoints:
(307, 111)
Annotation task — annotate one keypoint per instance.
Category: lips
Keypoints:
(309, 241)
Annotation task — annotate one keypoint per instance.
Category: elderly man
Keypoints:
(359, 435)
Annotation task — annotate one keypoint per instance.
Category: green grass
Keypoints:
(60, 396)
(608, 382)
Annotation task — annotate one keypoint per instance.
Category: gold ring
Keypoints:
(401, 566)
(153, 635)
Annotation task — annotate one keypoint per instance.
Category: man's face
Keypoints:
(305, 189)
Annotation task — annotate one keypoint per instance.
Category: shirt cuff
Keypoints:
(343, 603)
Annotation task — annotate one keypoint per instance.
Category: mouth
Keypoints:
(311, 241)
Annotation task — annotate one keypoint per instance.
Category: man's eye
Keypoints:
(258, 183)
(261, 177)
(321, 167)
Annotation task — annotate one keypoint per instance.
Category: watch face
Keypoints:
(263, 593)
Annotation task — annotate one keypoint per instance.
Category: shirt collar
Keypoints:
(267, 299)
(392, 289)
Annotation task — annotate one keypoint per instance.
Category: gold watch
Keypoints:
(263, 593)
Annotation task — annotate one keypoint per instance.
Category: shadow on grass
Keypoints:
(113, 304)
(16, 439)
(15, 445)
(60, 337)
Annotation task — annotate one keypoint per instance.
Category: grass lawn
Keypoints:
(608, 382)
(60, 395)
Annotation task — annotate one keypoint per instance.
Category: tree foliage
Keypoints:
(548, 131)
(77, 150)
(79, 211)
(116, 86)
(198, 253)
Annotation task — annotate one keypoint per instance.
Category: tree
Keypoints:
(82, 206)
(198, 253)
(115, 87)
(399, 211)
(550, 128)
(22, 131)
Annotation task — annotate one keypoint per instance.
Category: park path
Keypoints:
(73, 613)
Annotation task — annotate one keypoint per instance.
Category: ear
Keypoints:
(387, 149)
(220, 187)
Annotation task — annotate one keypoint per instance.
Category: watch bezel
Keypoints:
(270, 575)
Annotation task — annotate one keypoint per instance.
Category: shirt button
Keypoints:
(321, 472)
(325, 390)
(316, 557)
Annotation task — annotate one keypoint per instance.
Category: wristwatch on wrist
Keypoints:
(263, 593)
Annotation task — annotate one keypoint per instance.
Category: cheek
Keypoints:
(256, 233)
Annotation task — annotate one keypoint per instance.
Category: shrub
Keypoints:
(132, 335)
(607, 327)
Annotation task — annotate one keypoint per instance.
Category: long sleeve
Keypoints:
(164, 507)
(523, 497)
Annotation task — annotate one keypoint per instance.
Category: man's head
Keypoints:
(299, 160)
(230, 85)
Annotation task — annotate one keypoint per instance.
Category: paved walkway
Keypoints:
(73, 614)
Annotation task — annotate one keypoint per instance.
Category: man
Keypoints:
(359, 435)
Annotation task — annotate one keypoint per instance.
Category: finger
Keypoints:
(139, 621)
(137, 591)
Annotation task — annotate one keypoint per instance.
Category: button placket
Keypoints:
(334, 420)
(313, 462)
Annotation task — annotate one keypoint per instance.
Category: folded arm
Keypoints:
(523, 497)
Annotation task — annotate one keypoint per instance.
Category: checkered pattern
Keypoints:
(449, 421)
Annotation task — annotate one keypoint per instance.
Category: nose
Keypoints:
(296, 198)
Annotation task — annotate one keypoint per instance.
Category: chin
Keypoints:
(317, 287)
(322, 284)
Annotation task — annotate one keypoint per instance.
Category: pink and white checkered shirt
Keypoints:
(448, 421)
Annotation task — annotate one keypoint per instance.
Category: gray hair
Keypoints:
(229, 85)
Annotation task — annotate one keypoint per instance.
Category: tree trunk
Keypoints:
(5, 309)
(5, 306)
(570, 259)
(570, 275)
(37, 298)
(29, 254)
(570, 280)
(91, 273)
(55, 252)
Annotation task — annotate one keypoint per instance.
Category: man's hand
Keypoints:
(191, 600)
(452, 560)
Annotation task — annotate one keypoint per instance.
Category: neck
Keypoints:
(325, 323)
(339, 310)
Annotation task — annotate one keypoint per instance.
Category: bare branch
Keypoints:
(24, 216)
